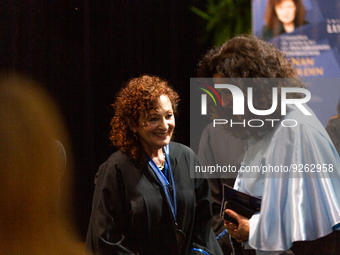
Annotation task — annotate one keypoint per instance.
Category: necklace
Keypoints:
(163, 164)
(164, 181)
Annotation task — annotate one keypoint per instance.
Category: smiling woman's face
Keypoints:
(157, 130)
(285, 11)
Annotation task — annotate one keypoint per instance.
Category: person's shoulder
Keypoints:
(116, 164)
(267, 33)
(117, 158)
(178, 149)
(210, 127)
(178, 146)
(301, 127)
(334, 121)
(302, 118)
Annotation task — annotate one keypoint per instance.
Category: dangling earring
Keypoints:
(135, 136)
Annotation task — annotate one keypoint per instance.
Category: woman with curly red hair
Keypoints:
(145, 201)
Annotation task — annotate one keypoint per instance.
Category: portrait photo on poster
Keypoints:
(272, 18)
(308, 32)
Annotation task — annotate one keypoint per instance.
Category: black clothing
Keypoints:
(268, 33)
(218, 147)
(131, 214)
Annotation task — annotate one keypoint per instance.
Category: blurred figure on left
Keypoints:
(33, 200)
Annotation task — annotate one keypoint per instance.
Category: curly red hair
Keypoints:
(134, 101)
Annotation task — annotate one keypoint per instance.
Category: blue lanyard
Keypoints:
(164, 181)
(200, 250)
(221, 234)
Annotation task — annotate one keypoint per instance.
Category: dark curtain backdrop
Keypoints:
(83, 51)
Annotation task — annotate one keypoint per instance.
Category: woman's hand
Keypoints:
(239, 232)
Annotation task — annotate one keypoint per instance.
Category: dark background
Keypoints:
(83, 51)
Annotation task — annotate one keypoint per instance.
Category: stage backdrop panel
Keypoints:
(313, 46)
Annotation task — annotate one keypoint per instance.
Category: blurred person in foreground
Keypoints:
(33, 199)
(300, 210)
(145, 201)
(333, 128)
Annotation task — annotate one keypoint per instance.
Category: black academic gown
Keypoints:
(131, 214)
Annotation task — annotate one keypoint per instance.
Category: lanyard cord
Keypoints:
(164, 181)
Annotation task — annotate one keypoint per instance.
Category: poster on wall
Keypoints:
(308, 31)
